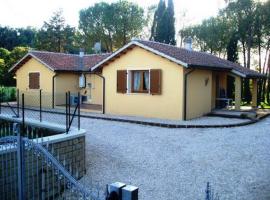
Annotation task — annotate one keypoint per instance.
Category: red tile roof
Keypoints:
(62, 61)
(187, 58)
(199, 59)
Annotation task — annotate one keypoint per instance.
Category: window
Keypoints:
(34, 80)
(140, 81)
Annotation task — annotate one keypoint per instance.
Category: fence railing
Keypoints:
(37, 169)
(37, 105)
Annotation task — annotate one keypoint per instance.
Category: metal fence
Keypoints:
(32, 168)
(40, 106)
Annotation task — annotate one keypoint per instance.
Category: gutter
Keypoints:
(185, 92)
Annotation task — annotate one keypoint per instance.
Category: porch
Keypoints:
(227, 91)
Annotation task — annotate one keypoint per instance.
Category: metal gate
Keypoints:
(29, 170)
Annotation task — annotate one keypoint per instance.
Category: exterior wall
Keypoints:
(199, 94)
(168, 105)
(32, 95)
(65, 82)
(93, 89)
(34, 66)
(72, 150)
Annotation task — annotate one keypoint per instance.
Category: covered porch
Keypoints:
(227, 91)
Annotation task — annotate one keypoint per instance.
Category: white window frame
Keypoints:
(129, 79)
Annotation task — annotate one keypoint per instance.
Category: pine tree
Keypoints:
(232, 51)
(170, 23)
(158, 31)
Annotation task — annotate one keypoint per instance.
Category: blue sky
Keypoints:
(18, 13)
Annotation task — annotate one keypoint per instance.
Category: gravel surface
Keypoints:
(170, 164)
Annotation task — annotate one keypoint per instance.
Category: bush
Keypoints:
(8, 94)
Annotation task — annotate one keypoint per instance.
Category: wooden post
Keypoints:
(237, 92)
(254, 93)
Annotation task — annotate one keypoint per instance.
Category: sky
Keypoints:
(23, 13)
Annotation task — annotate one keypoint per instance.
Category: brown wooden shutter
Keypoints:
(121, 81)
(34, 80)
(155, 81)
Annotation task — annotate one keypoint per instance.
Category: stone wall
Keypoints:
(70, 151)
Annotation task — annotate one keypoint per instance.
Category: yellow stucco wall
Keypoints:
(199, 93)
(168, 105)
(93, 89)
(65, 82)
(34, 66)
(32, 95)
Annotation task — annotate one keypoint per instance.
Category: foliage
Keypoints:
(7, 60)
(10, 37)
(163, 27)
(55, 35)
(243, 26)
(7, 94)
(111, 24)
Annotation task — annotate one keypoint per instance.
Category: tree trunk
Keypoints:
(244, 53)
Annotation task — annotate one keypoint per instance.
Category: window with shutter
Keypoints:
(155, 81)
(34, 80)
(121, 81)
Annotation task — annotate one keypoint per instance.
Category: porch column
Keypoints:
(237, 92)
(254, 92)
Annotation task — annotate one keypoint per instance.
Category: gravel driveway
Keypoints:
(170, 164)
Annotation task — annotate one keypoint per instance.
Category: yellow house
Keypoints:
(57, 73)
(151, 79)
(143, 78)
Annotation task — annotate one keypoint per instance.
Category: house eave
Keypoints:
(142, 46)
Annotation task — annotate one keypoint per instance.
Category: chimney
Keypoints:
(81, 52)
(188, 43)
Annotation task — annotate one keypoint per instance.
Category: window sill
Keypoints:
(138, 93)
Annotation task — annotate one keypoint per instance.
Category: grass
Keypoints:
(265, 105)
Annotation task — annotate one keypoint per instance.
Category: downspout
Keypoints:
(103, 92)
(53, 88)
(185, 92)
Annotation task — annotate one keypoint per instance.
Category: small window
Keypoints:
(140, 81)
(34, 80)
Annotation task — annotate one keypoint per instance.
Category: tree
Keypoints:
(158, 31)
(232, 48)
(55, 35)
(7, 60)
(10, 37)
(170, 23)
(128, 22)
(111, 24)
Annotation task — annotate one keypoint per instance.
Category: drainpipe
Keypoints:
(103, 91)
(185, 92)
(53, 88)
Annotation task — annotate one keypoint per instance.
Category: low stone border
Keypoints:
(165, 125)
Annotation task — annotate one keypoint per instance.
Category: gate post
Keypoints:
(20, 161)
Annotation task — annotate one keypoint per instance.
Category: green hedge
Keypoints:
(7, 94)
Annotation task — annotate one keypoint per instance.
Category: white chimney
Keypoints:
(188, 43)
(81, 52)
